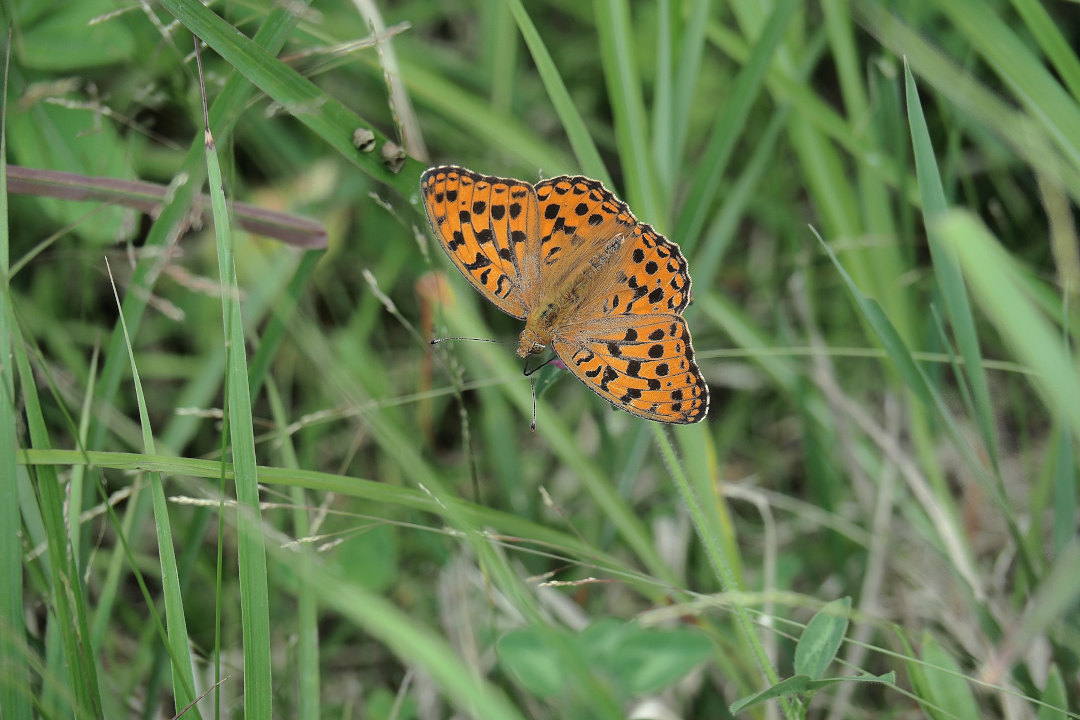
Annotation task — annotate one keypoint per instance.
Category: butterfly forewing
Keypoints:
(485, 225)
(644, 364)
(578, 217)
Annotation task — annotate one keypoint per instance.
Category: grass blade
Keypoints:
(324, 115)
(183, 686)
(1054, 696)
(1027, 76)
(235, 93)
(1054, 45)
(66, 592)
(1064, 495)
(939, 509)
(254, 597)
(692, 48)
(1055, 598)
(709, 532)
(576, 131)
(728, 128)
(664, 159)
(406, 638)
(617, 53)
(950, 281)
(15, 680)
(475, 113)
(717, 238)
(1023, 133)
(306, 599)
(997, 286)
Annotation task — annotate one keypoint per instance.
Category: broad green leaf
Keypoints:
(821, 639)
(949, 693)
(638, 660)
(651, 659)
(528, 655)
(371, 558)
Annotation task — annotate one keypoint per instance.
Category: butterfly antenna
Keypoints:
(528, 373)
(532, 387)
(436, 341)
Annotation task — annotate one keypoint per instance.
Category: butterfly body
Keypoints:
(604, 291)
(556, 311)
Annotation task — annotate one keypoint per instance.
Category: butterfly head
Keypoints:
(530, 343)
(539, 329)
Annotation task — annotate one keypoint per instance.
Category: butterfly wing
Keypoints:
(578, 219)
(624, 337)
(649, 277)
(489, 227)
(641, 363)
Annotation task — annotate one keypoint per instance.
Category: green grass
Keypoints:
(245, 484)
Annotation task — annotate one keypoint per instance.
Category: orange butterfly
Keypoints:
(570, 259)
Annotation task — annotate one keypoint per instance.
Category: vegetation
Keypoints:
(258, 487)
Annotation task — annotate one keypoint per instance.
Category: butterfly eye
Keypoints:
(531, 348)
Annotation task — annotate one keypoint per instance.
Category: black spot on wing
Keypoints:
(481, 260)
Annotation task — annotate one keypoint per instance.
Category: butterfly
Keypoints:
(605, 291)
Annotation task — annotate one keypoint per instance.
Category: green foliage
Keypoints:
(821, 639)
(64, 38)
(804, 686)
(1054, 696)
(633, 661)
(813, 654)
(260, 486)
(941, 685)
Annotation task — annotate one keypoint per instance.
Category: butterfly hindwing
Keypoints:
(649, 277)
(643, 364)
(487, 226)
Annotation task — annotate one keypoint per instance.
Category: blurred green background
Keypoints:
(876, 200)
